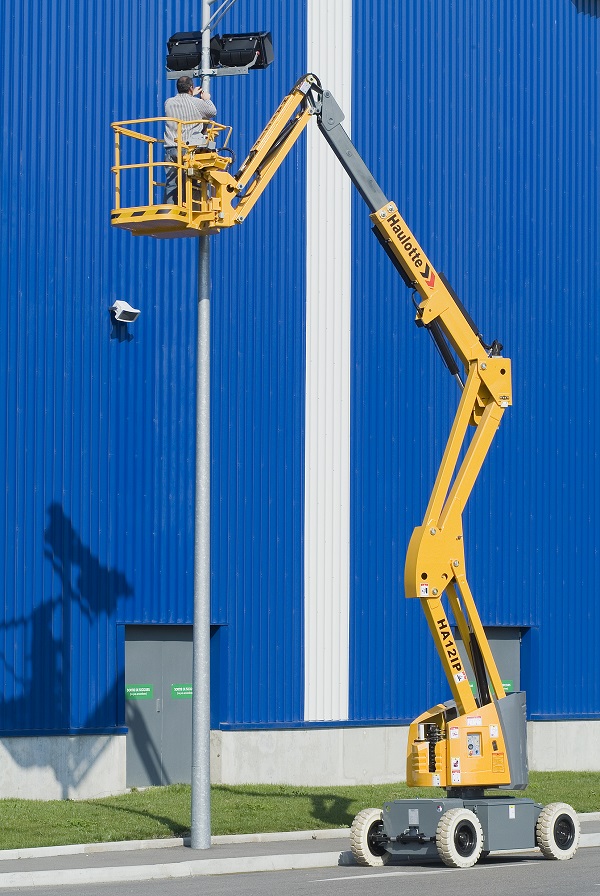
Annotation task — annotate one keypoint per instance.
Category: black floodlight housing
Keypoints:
(255, 49)
(185, 51)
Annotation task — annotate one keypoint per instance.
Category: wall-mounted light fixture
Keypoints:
(123, 312)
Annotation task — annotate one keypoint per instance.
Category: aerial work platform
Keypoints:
(478, 740)
(141, 174)
(209, 196)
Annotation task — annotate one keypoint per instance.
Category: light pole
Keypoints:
(257, 51)
(200, 833)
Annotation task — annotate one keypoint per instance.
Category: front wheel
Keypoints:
(459, 838)
(365, 839)
(557, 831)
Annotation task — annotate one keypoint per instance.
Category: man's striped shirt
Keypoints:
(186, 107)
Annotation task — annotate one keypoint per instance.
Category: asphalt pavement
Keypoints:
(163, 859)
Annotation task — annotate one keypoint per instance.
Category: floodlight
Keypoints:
(124, 313)
(185, 51)
(229, 54)
(254, 50)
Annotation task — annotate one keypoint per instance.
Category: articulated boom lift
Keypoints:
(476, 741)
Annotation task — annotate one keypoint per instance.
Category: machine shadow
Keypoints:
(60, 626)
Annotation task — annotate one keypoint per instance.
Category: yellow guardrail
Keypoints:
(215, 137)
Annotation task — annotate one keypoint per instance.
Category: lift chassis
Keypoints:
(460, 832)
(478, 740)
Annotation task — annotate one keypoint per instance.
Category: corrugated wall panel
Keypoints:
(259, 283)
(482, 123)
(99, 423)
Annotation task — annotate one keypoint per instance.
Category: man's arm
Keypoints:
(204, 102)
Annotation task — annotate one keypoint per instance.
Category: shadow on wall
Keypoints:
(143, 743)
(587, 7)
(51, 695)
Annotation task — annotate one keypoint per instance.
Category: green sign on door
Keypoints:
(139, 691)
(181, 691)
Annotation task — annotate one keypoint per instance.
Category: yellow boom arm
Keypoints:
(473, 744)
(435, 560)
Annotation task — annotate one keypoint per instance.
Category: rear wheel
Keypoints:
(557, 831)
(365, 839)
(459, 838)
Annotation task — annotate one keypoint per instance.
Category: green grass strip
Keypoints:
(165, 811)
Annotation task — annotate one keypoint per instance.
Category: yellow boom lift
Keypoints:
(477, 741)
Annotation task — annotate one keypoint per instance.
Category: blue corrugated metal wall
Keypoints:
(259, 323)
(98, 435)
(97, 524)
(482, 124)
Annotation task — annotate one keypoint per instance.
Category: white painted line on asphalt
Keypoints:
(375, 875)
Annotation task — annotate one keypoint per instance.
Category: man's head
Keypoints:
(184, 84)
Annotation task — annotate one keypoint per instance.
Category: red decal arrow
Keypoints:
(429, 282)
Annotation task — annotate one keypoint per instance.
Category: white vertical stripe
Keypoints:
(327, 475)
